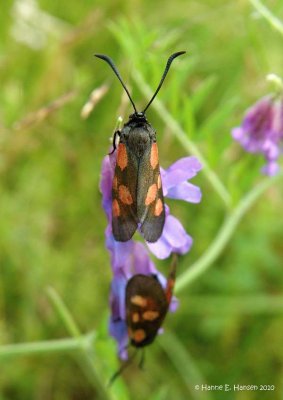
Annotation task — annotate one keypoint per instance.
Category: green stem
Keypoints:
(184, 364)
(86, 356)
(224, 234)
(79, 346)
(43, 347)
(64, 313)
(183, 138)
(267, 14)
(245, 304)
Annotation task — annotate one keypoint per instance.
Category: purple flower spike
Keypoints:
(131, 257)
(262, 131)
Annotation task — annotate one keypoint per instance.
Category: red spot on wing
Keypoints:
(115, 209)
(158, 208)
(122, 158)
(150, 315)
(135, 317)
(151, 194)
(139, 335)
(115, 183)
(125, 195)
(159, 181)
(154, 156)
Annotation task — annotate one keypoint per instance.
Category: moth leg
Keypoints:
(141, 363)
(116, 133)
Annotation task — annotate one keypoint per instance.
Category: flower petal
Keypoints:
(174, 238)
(271, 168)
(185, 191)
(106, 186)
(262, 130)
(174, 305)
(117, 296)
(118, 330)
(238, 133)
(189, 164)
(160, 249)
(141, 261)
(182, 170)
(175, 234)
(271, 150)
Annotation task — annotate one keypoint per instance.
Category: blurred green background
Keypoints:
(228, 329)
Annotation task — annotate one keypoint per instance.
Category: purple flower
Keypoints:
(175, 186)
(262, 131)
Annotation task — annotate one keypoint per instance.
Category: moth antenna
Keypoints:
(171, 278)
(122, 368)
(114, 68)
(168, 64)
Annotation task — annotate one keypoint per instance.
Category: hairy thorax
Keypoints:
(139, 138)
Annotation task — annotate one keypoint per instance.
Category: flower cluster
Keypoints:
(132, 257)
(262, 131)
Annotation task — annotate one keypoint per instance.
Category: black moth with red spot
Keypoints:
(137, 197)
(147, 304)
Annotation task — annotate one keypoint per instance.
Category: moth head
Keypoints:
(138, 117)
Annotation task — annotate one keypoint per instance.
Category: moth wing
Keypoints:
(146, 298)
(124, 201)
(150, 202)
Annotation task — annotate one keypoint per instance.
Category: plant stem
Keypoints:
(42, 347)
(224, 234)
(185, 365)
(64, 313)
(78, 346)
(170, 121)
(85, 343)
(244, 304)
(267, 14)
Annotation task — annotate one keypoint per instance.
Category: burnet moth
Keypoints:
(147, 304)
(137, 197)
